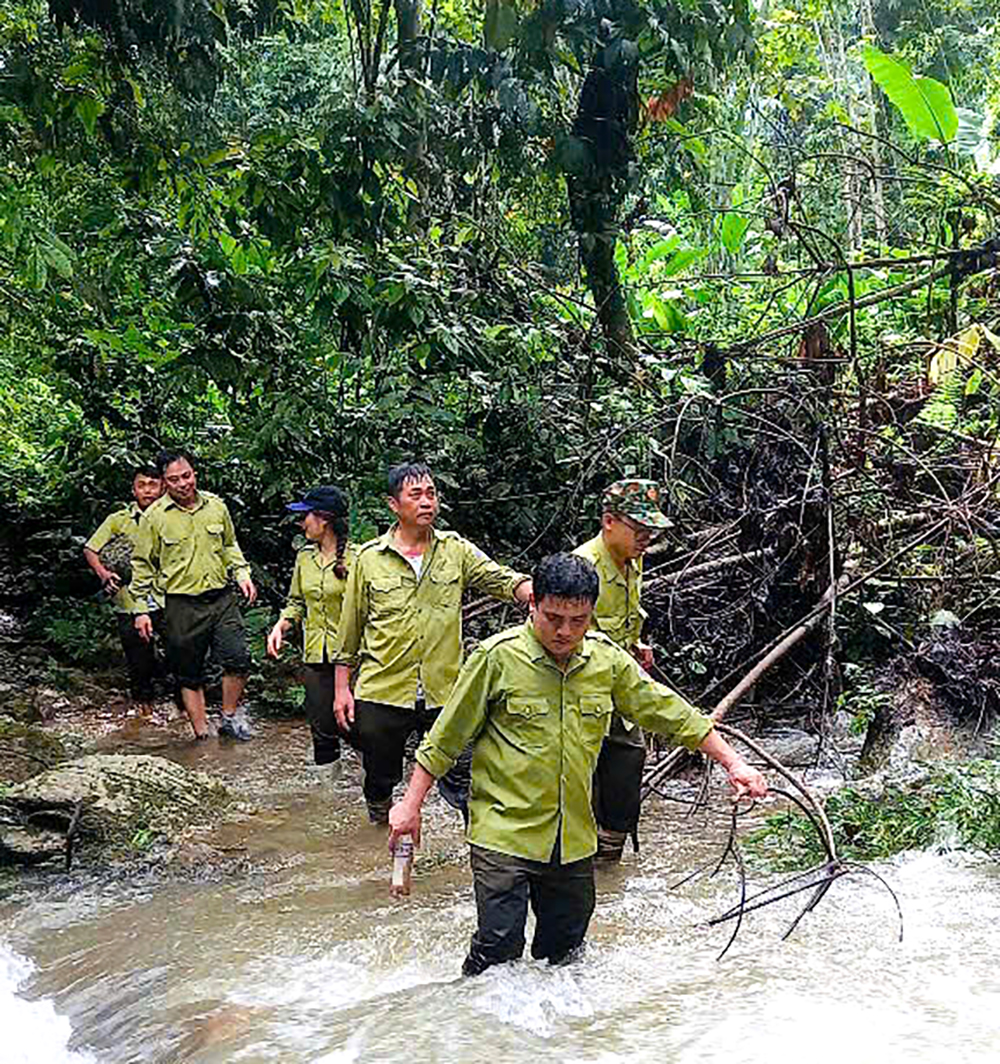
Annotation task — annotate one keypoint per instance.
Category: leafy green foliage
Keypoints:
(953, 806)
(925, 104)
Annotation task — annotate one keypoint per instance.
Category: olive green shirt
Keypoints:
(123, 522)
(315, 598)
(537, 731)
(617, 612)
(188, 552)
(400, 631)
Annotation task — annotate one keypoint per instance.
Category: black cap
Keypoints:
(327, 498)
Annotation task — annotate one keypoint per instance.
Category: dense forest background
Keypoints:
(749, 251)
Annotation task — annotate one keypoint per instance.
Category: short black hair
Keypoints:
(168, 457)
(399, 474)
(146, 469)
(565, 576)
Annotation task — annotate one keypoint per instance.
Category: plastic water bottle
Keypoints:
(402, 867)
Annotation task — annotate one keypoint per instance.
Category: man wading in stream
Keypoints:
(536, 701)
(631, 517)
(140, 654)
(186, 545)
(401, 629)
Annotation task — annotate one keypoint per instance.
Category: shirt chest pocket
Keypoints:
(386, 595)
(446, 586)
(213, 536)
(595, 716)
(526, 720)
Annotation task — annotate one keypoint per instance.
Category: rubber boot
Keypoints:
(610, 846)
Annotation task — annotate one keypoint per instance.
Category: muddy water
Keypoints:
(308, 959)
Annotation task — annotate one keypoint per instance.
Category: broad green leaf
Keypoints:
(88, 110)
(500, 24)
(734, 227)
(924, 103)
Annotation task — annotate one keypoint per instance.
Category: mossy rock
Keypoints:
(121, 798)
(26, 751)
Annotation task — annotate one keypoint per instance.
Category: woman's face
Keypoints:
(313, 526)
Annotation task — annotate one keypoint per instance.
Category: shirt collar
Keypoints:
(385, 540)
(172, 504)
(606, 564)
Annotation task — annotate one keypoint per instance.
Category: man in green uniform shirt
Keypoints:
(186, 544)
(631, 517)
(536, 702)
(140, 654)
(401, 631)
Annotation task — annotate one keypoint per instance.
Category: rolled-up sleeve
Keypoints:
(145, 564)
(231, 549)
(353, 614)
(483, 573)
(656, 707)
(461, 718)
(295, 604)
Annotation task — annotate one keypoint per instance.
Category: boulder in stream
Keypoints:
(124, 801)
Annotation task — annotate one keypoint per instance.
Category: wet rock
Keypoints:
(793, 747)
(17, 703)
(26, 750)
(911, 725)
(26, 846)
(123, 798)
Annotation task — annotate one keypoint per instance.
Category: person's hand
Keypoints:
(746, 780)
(110, 581)
(276, 639)
(404, 819)
(343, 709)
(249, 590)
(523, 592)
(144, 626)
(643, 653)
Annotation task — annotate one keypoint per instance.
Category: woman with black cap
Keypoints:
(315, 597)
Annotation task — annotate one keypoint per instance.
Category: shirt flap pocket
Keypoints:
(382, 585)
(445, 574)
(527, 707)
(215, 530)
(594, 706)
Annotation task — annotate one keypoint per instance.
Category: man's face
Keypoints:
(181, 482)
(561, 623)
(624, 537)
(146, 490)
(417, 503)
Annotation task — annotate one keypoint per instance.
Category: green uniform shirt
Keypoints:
(538, 730)
(617, 613)
(123, 522)
(316, 594)
(400, 631)
(187, 551)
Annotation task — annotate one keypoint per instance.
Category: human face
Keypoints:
(561, 623)
(417, 505)
(313, 526)
(146, 490)
(181, 481)
(625, 539)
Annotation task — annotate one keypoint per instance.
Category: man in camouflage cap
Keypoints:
(631, 517)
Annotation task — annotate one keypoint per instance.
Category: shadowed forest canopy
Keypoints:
(747, 250)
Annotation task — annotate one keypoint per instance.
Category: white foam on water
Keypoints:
(33, 1031)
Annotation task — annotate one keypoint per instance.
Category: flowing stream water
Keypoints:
(305, 958)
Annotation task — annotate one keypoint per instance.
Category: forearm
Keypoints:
(715, 747)
(342, 679)
(93, 560)
(420, 783)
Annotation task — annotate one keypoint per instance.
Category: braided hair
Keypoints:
(339, 526)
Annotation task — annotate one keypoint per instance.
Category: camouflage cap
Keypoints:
(638, 500)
